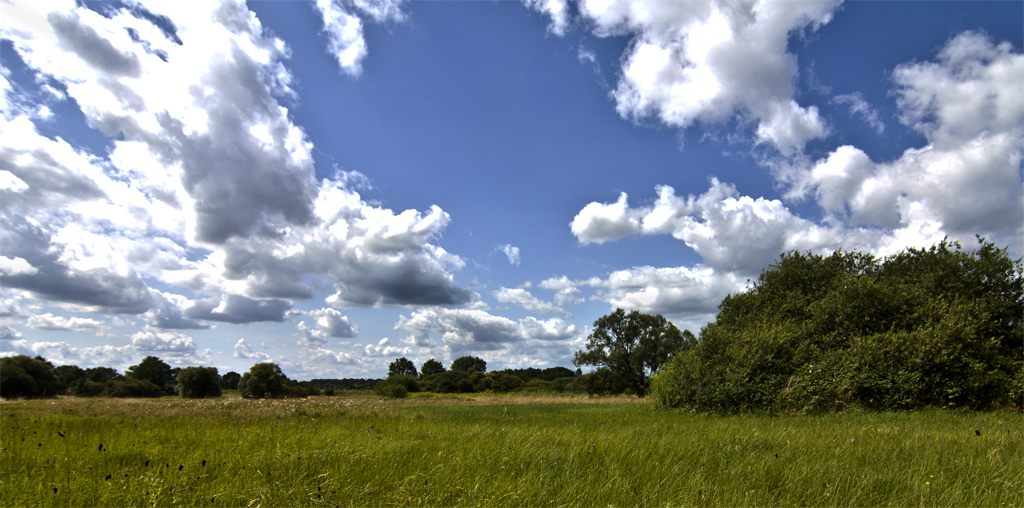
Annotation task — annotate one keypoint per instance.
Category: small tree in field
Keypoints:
(198, 382)
(632, 347)
(263, 380)
(402, 367)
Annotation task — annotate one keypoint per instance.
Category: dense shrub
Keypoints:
(927, 327)
(83, 387)
(198, 382)
(504, 383)
(132, 388)
(452, 381)
(397, 386)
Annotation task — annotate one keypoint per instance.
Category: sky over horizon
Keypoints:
(333, 184)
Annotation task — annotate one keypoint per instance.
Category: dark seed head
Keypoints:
(180, 467)
(101, 447)
(55, 490)
(204, 462)
(977, 432)
(60, 434)
(108, 476)
(147, 464)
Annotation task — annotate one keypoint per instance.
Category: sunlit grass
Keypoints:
(458, 451)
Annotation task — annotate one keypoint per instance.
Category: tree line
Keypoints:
(26, 377)
(936, 327)
(468, 374)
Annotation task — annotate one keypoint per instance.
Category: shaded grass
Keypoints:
(459, 451)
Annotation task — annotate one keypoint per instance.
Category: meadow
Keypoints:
(495, 451)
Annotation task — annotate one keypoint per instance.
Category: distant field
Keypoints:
(493, 451)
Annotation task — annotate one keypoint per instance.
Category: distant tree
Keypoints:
(68, 374)
(466, 363)
(102, 374)
(402, 367)
(632, 347)
(229, 381)
(154, 370)
(262, 381)
(397, 386)
(198, 382)
(431, 367)
(23, 376)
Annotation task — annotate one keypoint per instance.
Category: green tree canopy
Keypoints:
(431, 367)
(264, 380)
(402, 367)
(23, 376)
(154, 370)
(466, 363)
(632, 347)
(198, 382)
(926, 327)
(229, 381)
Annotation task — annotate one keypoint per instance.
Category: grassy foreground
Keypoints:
(494, 452)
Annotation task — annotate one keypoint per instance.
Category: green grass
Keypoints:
(458, 451)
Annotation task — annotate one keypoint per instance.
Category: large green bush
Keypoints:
(927, 327)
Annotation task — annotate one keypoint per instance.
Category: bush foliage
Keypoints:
(926, 327)
(199, 382)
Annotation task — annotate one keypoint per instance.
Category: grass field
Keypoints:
(494, 451)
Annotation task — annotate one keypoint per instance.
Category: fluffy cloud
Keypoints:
(344, 27)
(50, 322)
(329, 323)
(566, 292)
(691, 295)
(602, 222)
(511, 252)
(465, 330)
(524, 299)
(695, 62)
(208, 187)
(334, 324)
(966, 180)
(733, 233)
(245, 351)
(172, 347)
(384, 348)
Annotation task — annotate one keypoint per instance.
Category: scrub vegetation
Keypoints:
(495, 450)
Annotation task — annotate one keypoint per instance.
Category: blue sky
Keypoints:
(331, 185)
